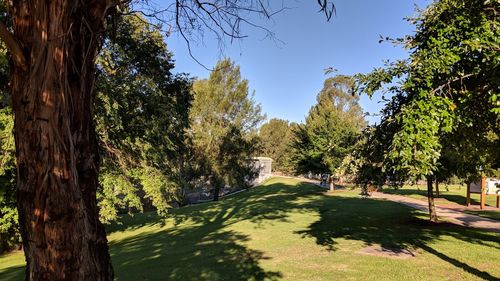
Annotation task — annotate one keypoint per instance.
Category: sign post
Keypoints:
(484, 187)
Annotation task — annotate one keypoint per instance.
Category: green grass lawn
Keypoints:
(449, 195)
(285, 230)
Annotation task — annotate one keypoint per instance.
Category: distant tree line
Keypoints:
(326, 142)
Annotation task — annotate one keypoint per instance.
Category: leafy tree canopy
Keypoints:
(445, 99)
(142, 118)
(332, 128)
(224, 125)
(275, 137)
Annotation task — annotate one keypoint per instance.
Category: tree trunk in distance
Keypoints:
(430, 197)
(216, 192)
(56, 145)
(437, 188)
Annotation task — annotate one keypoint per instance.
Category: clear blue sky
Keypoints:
(287, 76)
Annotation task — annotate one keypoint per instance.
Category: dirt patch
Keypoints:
(397, 253)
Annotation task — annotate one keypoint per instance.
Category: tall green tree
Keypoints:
(224, 118)
(447, 93)
(275, 138)
(332, 128)
(142, 120)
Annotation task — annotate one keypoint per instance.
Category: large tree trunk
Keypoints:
(430, 197)
(56, 145)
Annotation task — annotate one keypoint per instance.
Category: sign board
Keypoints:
(484, 186)
(492, 186)
(475, 187)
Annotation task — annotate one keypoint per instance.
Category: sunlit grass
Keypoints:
(292, 231)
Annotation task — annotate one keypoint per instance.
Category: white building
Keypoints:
(263, 168)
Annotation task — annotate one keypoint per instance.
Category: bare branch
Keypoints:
(187, 41)
(12, 46)
(448, 83)
(221, 18)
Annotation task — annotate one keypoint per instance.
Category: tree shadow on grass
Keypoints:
(14, 273)
(200, 245)
(130, 222)
(269, 203)
(392, 226)
(210, 251)
(201, 252)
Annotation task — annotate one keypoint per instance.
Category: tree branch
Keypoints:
(12, 46)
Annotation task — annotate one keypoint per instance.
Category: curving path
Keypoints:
(454, 216)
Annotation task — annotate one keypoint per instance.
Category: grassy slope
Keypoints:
(451, 195)
(285, 230)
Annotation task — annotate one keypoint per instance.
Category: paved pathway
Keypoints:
(452, 214)
(456, 217)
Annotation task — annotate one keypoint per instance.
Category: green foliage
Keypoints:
(4, 62)
(142, 117)
(7, 149)
(158, 188)
(275, 137)
(9, 232)
(331, 131)
(116, 192)
(9, 228)
(224, 125)
(443, 117)
(233, 156)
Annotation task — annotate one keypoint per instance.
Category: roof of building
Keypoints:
(262, 158)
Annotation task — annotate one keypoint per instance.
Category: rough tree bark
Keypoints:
(430, 197)
(56, 145)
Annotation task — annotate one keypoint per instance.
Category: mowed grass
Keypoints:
(449, 195)
(286, 230)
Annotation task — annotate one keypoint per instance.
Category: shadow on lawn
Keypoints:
(197, 253)
(259, 204)
(12, 273)
(391, 225)
(210, 251)
(201, 245)
(205, 248)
